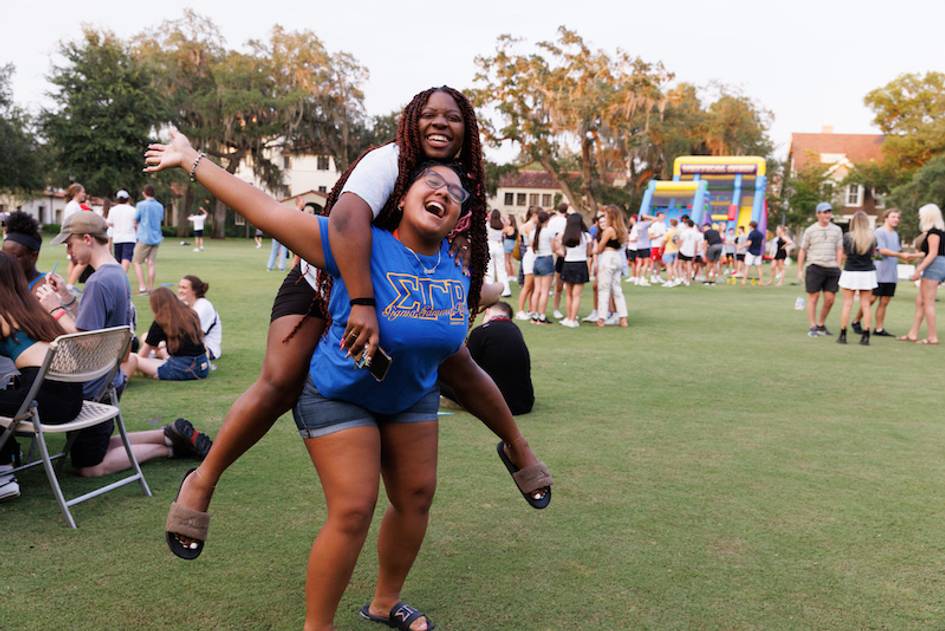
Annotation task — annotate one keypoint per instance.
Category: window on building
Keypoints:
(520, 199)
(880, 200)
(322, 163)
(534, 199)
(286, 162)
(238, 219)
(546, 200)
(509, 199)
(322, 189)
(854, 195)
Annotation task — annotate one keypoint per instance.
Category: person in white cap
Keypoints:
(822, 247)
(121, 219)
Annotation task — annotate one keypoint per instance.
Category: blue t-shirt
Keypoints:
(887, 266)
(755, 241)
(422, 319)
(106, 302)
(149, 213)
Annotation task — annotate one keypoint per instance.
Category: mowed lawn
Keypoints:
(714, 468)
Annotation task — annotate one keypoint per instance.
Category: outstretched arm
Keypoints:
(298, 231)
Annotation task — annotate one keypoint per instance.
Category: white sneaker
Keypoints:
(9, 487)
(558, 315)
(571, 324)
(591, 317)
(643, 283)
(506, 293)
(611, 321)
(522, 315)
(196, 249)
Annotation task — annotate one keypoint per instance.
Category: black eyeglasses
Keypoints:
(436, 181)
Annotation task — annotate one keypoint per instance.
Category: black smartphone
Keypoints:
(380, 363)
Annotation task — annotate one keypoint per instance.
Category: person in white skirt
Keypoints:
(495, 270)
(858, 275)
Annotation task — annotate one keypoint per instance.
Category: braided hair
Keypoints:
(410, 155)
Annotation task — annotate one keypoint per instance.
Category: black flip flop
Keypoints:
(183, 518)
(401, 616)
(514, 471)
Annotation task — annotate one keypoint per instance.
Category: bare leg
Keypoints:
(559, 290)
(848, 295)
(148, 366)
(524, 296)
(284, 371)
(829, 298)
(348, 464)
(145, 445)
(919, 316)
(812, 307)
(866, 311)
(408, 464)
(928, 289)
(881, 312)
(152, 273)
(574, 304)
(140, 274)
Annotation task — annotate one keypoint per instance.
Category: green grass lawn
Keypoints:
(714, 468)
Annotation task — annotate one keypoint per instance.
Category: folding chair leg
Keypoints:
(51, 474)
(131, 454)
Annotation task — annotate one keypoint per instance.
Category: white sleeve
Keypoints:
(205, 312)
(374, 178)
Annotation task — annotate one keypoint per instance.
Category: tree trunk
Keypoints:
(561, 182)
(219, 208)
(586, 145)
(183, 210)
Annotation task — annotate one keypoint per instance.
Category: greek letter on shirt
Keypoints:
(417, 297)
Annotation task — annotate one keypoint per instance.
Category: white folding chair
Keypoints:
(79, 357)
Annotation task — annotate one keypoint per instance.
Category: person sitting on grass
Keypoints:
(192, 292)
(349, 416)
(178, 327)
(498, 347)
(27, 331)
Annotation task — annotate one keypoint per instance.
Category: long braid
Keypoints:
(410, 153)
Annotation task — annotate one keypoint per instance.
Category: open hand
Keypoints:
(177, 153)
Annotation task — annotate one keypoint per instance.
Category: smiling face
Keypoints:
(185, 291)
(430, 206)
(441, 127)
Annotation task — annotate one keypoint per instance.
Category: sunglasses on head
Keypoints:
(436, 181)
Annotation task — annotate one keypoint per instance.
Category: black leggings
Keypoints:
(59, 402)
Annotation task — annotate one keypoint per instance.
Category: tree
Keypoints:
(803, 191)
(287, 94)
(735, 126)
(20, 163)
(910, 110)
(927, 185)
(567, 97)
(106, 111)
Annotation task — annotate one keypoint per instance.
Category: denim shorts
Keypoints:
(544, 266)
(935, 271)
(317, 416)
(181, 368)
(508, 245)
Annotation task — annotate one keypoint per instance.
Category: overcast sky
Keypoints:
(809, 62)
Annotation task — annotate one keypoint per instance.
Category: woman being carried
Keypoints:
(423, 304)
(439, 124)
